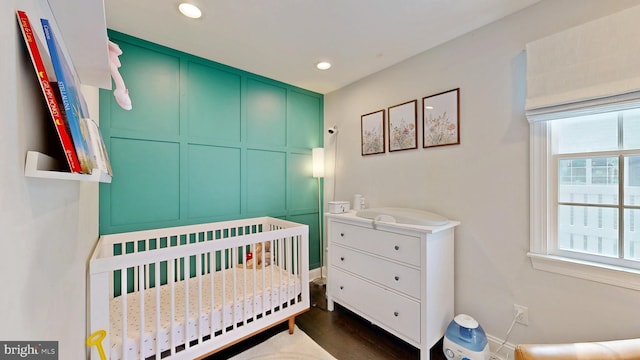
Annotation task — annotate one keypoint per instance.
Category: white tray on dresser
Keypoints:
(398, 276)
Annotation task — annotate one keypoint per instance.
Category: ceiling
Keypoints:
(284, 39)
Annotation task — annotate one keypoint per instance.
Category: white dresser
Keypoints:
(399, 277)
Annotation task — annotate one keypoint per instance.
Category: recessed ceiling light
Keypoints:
(190, 10)
(323, 65)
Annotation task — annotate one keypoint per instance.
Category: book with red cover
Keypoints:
(48, 92)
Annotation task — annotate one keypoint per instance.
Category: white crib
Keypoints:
(207, 299)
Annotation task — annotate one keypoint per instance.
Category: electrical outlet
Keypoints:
(521, 313)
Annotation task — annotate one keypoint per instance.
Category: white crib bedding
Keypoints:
(286, 287)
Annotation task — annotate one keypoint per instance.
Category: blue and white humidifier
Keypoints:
(465, 340)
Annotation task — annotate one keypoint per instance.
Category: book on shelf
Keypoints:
(49, 92)
(96, 143)
(74, 104)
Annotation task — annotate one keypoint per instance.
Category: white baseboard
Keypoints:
(506, 353)
(315, 274)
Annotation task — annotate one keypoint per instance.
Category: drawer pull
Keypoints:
(397, 277)
(342, 234)
(342, 258)
(397, 247)
(341, 287)
(395, 313)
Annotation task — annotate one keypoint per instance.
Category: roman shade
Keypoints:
(594, 65)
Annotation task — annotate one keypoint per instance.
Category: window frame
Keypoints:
(543, 201)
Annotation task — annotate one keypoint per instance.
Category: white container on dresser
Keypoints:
(398, 276)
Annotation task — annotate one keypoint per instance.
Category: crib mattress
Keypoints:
(192, 320)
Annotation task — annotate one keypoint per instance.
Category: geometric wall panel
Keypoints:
(213, 110)
(304, 115)
(302, 187)
(146, 184)
(266, 181)
(312, 220)
(266, 113)
(213, 182)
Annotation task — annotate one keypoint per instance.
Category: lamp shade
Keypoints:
(317, 155)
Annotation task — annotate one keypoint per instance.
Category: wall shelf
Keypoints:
(85, 42)
(39, 165)
(85, 37)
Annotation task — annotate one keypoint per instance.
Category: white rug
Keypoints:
(283, 346)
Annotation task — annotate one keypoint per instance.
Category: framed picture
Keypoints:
(441, 119)
(373, 133)
(403, 126)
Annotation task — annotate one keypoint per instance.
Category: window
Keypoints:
(586, 192)
(583, 106)
(591, 152)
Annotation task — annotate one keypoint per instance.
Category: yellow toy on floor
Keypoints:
(95, 339)
(257, 257)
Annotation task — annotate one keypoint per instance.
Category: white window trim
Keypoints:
(606, 274)
(540, 198)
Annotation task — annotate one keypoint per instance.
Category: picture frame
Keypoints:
(441, 119)
(403, 126)
(372, 133)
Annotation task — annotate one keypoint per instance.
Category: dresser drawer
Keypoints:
(393, 275)
(394, 246)
(398, 313)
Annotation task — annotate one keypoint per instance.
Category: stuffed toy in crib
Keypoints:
(252, 258)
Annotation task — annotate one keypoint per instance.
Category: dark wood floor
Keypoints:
(340, 332)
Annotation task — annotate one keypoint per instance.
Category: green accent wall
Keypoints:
(206, 142)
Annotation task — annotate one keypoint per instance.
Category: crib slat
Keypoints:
(234, 289)
(292, 270)
(123, 297)
(254, 309)
(199, 260)
(212, 269)
(141, 281)
(244, 283)
(186, 273)
(283, 264)
(147, 278)
(299, 260)
(171, 278)
(158, 309)
(284, 280)
(294, 265)
(262, 297)
(272, 296)
(224, 290)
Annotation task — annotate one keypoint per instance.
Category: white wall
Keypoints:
(484, 182)
(48, 227)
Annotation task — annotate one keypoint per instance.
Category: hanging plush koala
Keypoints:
(121, 93)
